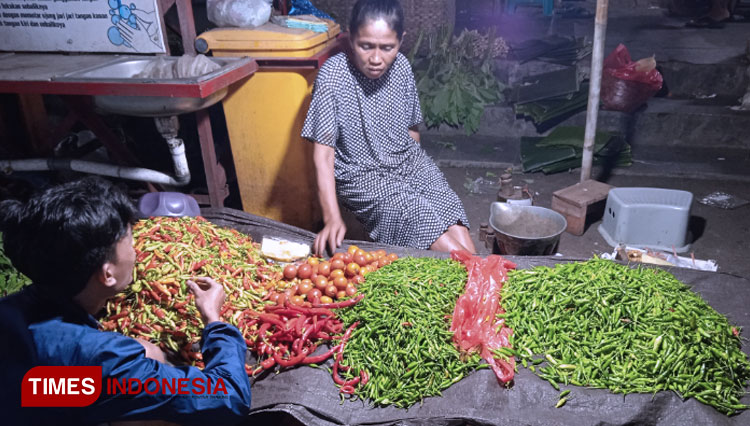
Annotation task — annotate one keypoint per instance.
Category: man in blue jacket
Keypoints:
(75, 242)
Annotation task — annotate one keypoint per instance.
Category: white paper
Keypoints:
(679, 261)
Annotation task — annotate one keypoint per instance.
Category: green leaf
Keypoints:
(454, 87)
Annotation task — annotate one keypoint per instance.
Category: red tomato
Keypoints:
(304, 271)
(297, 300)
(365, 270)
(324, 268)
(340, 283)
(289, 293)
(299, 285)
(313, 261)
(352, 269)
(360, 260)
(281, 300)
(358, 279)
(341, 294)
(369, 258)
(305, 286)
(337, 264)
(347, 258)
(274, 297)
(331, 291)
(321, 282)
(314, 295)
(350, 290)
(352, 249)
(380, 253)
(290, 271)
(392, 257)
(338, 255)
(326, 299)
(336, 273)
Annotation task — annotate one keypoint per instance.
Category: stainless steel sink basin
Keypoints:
(127, 67)
(157, 97)
(155, 106)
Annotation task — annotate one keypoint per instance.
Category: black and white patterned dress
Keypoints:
(382, 175)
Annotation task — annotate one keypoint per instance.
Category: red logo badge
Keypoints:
(58, 386)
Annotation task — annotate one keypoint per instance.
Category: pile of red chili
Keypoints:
(288, 335)
(158, 306)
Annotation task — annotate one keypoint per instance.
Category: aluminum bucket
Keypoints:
(525, 230)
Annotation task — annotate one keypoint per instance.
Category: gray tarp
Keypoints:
(311, 397)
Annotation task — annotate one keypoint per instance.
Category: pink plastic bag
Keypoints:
(626, 85)
(475, 326)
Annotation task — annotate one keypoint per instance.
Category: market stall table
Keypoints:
(310, 395)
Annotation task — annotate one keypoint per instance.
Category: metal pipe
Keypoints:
(597, 59)
(176, 149)
(132, 173)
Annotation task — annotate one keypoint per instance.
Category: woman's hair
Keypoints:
(370, 10)
(61, 236)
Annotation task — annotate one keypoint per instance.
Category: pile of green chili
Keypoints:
(605, 325)
(402, 341)
(11, 280)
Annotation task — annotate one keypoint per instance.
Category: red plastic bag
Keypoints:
(475, 326)
(626, 85)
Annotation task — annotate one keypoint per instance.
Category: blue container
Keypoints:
(173, 204)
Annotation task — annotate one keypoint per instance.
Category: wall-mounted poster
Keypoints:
(81, 26)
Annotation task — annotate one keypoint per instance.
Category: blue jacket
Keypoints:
(35, 330)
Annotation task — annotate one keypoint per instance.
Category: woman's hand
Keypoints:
(209, 298)
(332, 234)
(334, 230)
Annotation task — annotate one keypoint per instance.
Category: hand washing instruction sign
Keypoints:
(81, 26)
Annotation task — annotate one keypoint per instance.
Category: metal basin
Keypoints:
(526, 230)
(130, 94)
(155, 106)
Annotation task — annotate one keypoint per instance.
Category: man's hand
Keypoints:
(333, 234)
(154, 352)
(209, 298)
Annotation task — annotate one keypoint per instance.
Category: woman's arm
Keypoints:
(334, 230)
(414, 132)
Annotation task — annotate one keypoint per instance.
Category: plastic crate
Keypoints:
(652, 218)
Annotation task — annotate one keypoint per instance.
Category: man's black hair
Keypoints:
(370, 10)
(61, 236)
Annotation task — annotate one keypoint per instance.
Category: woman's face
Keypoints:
(374, 48)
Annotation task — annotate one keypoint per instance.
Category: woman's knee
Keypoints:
(461, 234)
(446, 243)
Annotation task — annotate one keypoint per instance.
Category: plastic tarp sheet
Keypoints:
(309, 394)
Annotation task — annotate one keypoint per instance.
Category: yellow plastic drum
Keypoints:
(265, 113)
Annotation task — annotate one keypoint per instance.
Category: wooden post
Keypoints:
(597, 58)
(34, 114)
(187, 25)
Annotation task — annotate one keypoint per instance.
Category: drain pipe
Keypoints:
(167, 126)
